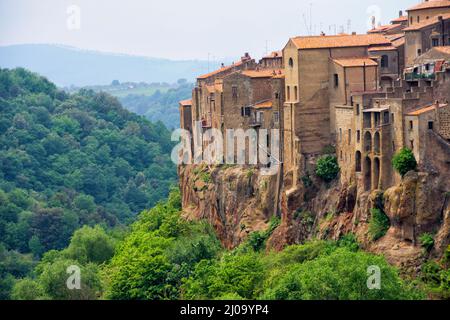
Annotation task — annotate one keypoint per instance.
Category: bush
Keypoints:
(341, 275)
(404, 161)
(378, 224)
(427, 241)
(327, 168)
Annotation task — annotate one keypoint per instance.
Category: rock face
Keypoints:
(238, 201)
(235, 200)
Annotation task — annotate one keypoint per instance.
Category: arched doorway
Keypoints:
(358, 161)
(377, 142)
(376, 174)
(367, 174)
(367, 142)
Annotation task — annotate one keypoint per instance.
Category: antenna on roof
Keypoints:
(349, 26)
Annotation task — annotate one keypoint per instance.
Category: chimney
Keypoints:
(222, 65)
(353, 33)
(440, 18)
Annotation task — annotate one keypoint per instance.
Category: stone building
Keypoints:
(378, 124)
(245, 95)
(368, 95)
(421, 37)
(426, 10)
(320, 72)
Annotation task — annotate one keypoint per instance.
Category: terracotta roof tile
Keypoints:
(400, 19)
(263, 105)
(383, 48)
(185, 103)
(385, 28)
(355, 62)
(265, 73)
(274, 54)
(423, 110)
(431, 4)
(426, 23)
(323, 42)
(205, 76)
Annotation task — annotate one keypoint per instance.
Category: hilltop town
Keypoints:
(359, 98)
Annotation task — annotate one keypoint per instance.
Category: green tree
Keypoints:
(404, 161)
(327, 168)
(91, 245)
(342, 275)
(27, 289)
(378, 224)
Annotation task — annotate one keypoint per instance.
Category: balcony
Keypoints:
(255, 123)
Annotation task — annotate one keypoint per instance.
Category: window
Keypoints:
(430, 125)
(386, 118)
(411, 21)
(336, 80)
(435, 42)
(291, 62)
(277, 95)
(392, 118)
(276, 117)
(385, 61)
(418, 19)
(245, 112)
(358, 136)
(349, 136)
(288, 93)
(234, 92)
(419, 52)
(340, 134)
(411, 125)
(357, 110)
(393, 146)
(412, 144)
(296, 93)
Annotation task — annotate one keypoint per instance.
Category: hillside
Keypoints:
(68, 66)
(67, 161)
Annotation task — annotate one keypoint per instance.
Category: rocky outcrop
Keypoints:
(235, 200)
(238, 201)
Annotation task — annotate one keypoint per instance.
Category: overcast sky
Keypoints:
(184, 29)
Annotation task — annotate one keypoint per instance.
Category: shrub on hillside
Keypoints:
(404, 161)
(327, 168)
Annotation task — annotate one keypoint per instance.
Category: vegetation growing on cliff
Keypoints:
(327, 168)
(404, 161)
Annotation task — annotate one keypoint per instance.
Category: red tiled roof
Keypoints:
(343, 41)
(355, 62)
(263, 105)
(445, 49)
(426, 23)
(384, 28)
(423, 110)
(185, 103)
(274, 54)
(400, 19)
(430, 5)
(265, 73)
(382, 48)
(205, 76)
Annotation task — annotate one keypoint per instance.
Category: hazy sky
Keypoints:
(184, 29)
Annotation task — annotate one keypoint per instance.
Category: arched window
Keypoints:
(385, 61)
(291, 62)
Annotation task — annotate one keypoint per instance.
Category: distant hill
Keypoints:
(68, 66)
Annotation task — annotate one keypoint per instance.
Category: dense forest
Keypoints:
(68, 161)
